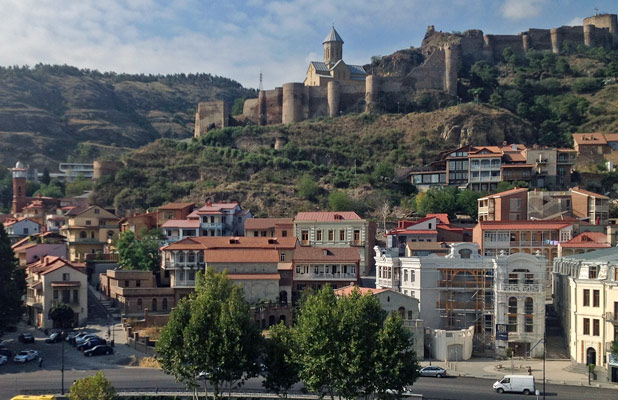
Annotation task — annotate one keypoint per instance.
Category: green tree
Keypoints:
(140, 254)
(614, 347)
(467, 202)
(78, 186)
(383, 171)
(12, 284)
(96, 387)
(62, 314)
(45, 179)
(307, 188)
(281, 368)
(211, 332)
(340, 201)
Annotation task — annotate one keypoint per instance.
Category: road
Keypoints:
(431, 388)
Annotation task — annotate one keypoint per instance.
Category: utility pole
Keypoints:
(544, 356)
(62, 368)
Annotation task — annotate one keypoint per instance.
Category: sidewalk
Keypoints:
(562, 372)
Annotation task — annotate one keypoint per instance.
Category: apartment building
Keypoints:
(504, 206)
(586, 298)
(173, 211)
(18, 228)
(35, 247)
(314, 267)
(481, 168)
(89, 231)
(269, 227)
(585, 242)
(465, 289)
(589, 205)
(252, 262)
(53, 280)
(337, 229)
(433, 228)
(221, 219)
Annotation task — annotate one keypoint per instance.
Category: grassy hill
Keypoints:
(50, 112)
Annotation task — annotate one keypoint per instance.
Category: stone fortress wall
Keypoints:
(294, 102)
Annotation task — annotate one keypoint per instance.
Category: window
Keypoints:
(357, 236)
(139, 303)
(586, 326)
(596, 331)
(66, 277)
(164, 304)
(595, 298)
(25, 230)
(284, 233)
(298, 269)
(586, 297)
(96, 211)
(66, 296)
(304, 236)
(331, 235)
(83, 235)
(88, 222)
(592, 272)
(512, 323)
(529, 305)
(529, 324)
(342, 235)
(512, 305)
(75, 296)
(138, 283)
(410, 315)
(55, 295)
(126, 283)
(318, 235)
(412, 276)
(405, 275)
(282, 257)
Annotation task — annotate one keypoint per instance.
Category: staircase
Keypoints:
(101, 307)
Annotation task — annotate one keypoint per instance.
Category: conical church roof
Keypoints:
(332, 36)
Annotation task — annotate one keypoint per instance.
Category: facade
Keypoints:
(53, 280)
(221, 219)
(90, 231)
(337, 229)
(591, 206)
(139, 223)
(314, 267)
(585, 242)
(252, 262)
(269, 227)
(392, 302)
(178, 229)
(21, 227)
(586, 298)
(464, 289)
(505, 206)
(73, 171)
(595, 143)
(481, 168)
(136, 291)
(171, 211)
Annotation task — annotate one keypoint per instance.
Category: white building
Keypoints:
(586, 298)
(21, 227)
(465, 289)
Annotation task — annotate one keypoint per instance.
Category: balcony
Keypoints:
(34, 301)
(183, 265)
(184, 284)
(611, 317)
(520, 287)
(386, 283)
(356, 243)
(325, 276)
(212, 225)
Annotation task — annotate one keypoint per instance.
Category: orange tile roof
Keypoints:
(611, 137)
(347, 290)
(181, 223)
(589, 237)
(589, 138)
(541, 225)
(588, 193)
(216, 208)
(505, 193)
(266, 223)
(442, 217)
(242, 277)
(16, 220)
(232, 242)
(326, 216)
(176, 206)
(49, 264)
(326, 254)
(241, 256)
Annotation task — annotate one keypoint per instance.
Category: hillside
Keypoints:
(46, 111)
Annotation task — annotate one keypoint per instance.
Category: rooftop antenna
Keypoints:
(596, 11)
(261, 87)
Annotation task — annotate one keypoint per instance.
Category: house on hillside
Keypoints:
(18, 228)
(90, 231)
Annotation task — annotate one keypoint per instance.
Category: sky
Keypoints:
(239, 38)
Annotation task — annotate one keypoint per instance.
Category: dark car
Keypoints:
(91, 343)
(433, 371)
(26, 338)
(54, 338)
(81, 340)
(6, 352)
(99, 350)
(72, 337)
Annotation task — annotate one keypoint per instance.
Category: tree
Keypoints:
(211, 332)
(12, 284)
(307, 188)
(139, 254)
(96, 387)
(614, 347)
(281, 368)
(467, 202)
(45, 179)
(340, 201)
(62, 314)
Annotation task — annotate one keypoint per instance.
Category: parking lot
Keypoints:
(51, 353)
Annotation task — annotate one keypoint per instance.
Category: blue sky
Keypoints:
(238, 38)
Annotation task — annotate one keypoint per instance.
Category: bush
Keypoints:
(586, 85)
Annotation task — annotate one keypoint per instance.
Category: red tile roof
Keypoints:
(347, 290)
(588, 193)
(505, 193)
(541, 225)
(181, 223)
(327, 216)
(49, 264)
(611, 137)
(442, 217)
(14, 221)
(241, 256)
(588, 240)
(232, 242)
(216, 208)
(266, 223)
(176, 206)
(589, 138)
(324, 254)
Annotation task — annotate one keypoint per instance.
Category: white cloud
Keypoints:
(519, 9)
(577, 21)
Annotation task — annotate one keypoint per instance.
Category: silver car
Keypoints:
(26, 355)
(433, 371)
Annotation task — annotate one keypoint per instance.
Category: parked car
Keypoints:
(54, 338)
(433, 371)
(92, 342)
(515, 383)
(72, 337)
(26, 338)
(99, 350)
(26, 355)
(3, 360)
(84, 339)
(6, 352)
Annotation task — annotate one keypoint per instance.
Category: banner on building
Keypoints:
(502, 332)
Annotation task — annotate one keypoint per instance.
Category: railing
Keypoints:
(101, 257)
(33, 300)
(213, 225)
(325, 276)
(464, 284)
(520, 287)
(184, 283)
(385, 282)
(186, 264)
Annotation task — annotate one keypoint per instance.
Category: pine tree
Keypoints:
(12, 284)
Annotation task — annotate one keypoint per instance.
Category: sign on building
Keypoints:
(502, 332)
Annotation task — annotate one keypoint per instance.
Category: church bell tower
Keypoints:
(19, 187)
(333, 48)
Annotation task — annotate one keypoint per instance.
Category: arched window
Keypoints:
(529, 305)
(465, 253)
(512, 315)
(154, 304)
(92, 235)
(83, 235)
(139, 303)
(181, 257)
(164, 304)
(402, 312)
(405, 275)
(512, 305)
(110, 234)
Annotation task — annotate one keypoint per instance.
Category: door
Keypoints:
(591, 356)
(455, 352)
(614, 374)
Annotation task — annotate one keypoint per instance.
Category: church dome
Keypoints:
(19, 165)
(332, 36)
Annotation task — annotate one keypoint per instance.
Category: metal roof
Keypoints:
(603, 255)
(332, 36)
(357, 69)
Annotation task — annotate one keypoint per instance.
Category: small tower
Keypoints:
(19, 187)
(333, 48)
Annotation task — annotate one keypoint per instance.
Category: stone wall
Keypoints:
(209, 115)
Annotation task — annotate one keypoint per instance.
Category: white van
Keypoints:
(515, 383)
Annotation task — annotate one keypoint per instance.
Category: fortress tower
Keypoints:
(333, 48)
(19, 187)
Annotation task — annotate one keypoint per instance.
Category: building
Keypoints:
(73, 171)
(19, 228)
(595, 143)
(53, 280)
(481, 168)
(89, 231)
(269, 227)
(139, 223)
(252, 262)
(504, 206)
(171, 211)
(315, 267)
(136, 291)
(392, 302)
(590, 206)
(35, 247)
(221, 219)
(583, 243)
(465, 289)
(337, 229)
(178, 229)
(586, 298)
